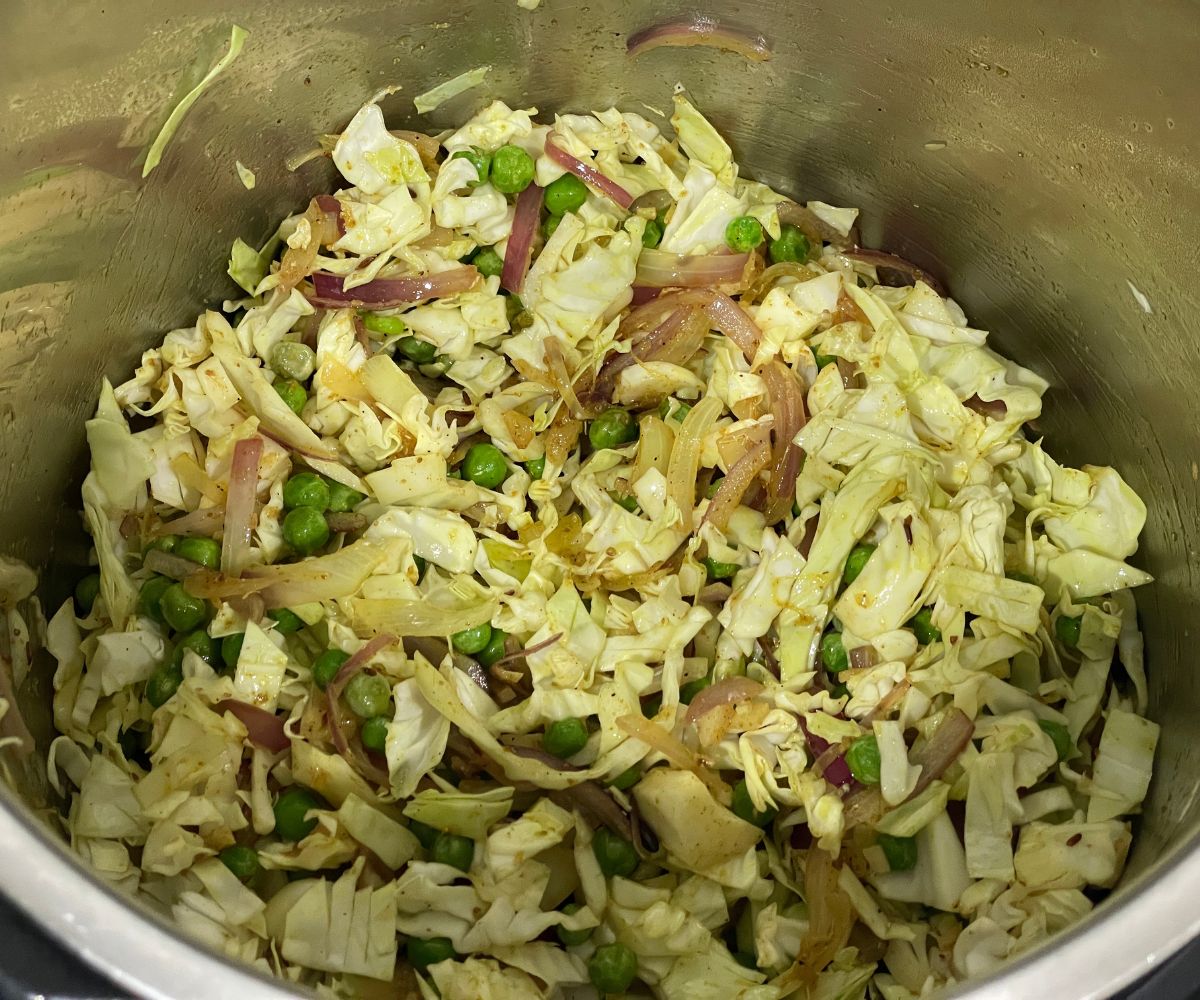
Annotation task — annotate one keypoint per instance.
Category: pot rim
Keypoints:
(1111, 949)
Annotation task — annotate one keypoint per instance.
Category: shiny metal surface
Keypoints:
(1041, 157)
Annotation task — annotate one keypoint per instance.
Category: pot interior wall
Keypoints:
(1041, 158)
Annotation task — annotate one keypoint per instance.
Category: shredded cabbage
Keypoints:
(512, 673)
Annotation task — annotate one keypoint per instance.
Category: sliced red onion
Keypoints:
(729, 318)
(725, 692)
(811, 225)
(699, 29)
(886, 703)
(520, 654)
(239, 505)
(264, 729)
(206, 522)
(670, 270)
(893, 270)
(658, 201)
(332, 208)
(520, 241)
(386, 293)
(734, 486)
(167, 564)
(862, 657)
(835, 770)
(325, 226)
(346, 521)
(588, 174)
(942, 749)
(642, 295)
(993, 409)
(790, 415)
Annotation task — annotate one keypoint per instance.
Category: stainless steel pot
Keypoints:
(1040, 156)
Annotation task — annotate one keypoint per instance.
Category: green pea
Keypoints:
(862, 758)
(627, 779)
(1064, 746)
(368, 695)
(286, 620)
(293, 360)
(181, 610)
(628, 502)
(720, 570)
(305, 530)
(472, 640)
(204, 551)
(424, 952)
(512, 170)
(689, 690)
(484, 465)
(792, 245)
(164, 543)
(565, 737)
(200, 643)
(488, 263)
(743, 806)
(713, 487)
(494, 649)
(291, 813)
(612, 968)
(612, 429)
(513, 307)
(572, 939)
(536, 467)
(163, 683)
(420, 352)
(326, 666)
(833, 653)
(374, 733)
(824, 360)
(480, 160)
(614, 853)
(426, 835)
(680, 411)
(652, 235)
(743, 234)
(150, 597)
(901, 852)
(292, 393)
(86, 592)
(453, 850)
(856, 561)
(1068, 629)
(550, 225)
(306, 489)
(923, 628)
(422, 566)
(387, 326)
(242, 861)
(567, 194)
(343, 499)
(231, 649)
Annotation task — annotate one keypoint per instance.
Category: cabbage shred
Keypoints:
(997, 588)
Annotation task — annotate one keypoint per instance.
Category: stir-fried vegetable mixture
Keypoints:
(573, 562)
